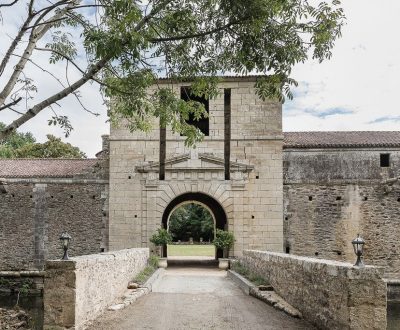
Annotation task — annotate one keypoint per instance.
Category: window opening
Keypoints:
(203, 123)
(385, 160)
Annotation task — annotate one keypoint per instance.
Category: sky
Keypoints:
(356, 89)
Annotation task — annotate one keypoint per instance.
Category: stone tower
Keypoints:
(236, 172)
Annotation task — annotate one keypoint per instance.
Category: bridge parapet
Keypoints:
(78, 290)
(329, 294)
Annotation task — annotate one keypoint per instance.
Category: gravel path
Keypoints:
(190, 298)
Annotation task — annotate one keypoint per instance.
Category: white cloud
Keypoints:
(361, 78)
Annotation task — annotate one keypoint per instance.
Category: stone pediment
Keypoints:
(200, 162)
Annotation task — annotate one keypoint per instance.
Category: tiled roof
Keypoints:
(33, 168)
(352, 139)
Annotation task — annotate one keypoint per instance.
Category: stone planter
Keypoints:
(162, 263)
(223, 263)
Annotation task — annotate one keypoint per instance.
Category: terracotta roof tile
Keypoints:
(349, 139)
(31, 168)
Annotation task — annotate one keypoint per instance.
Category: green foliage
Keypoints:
(153, 261)
(161, 237)
(53, 148)
(197, 41)
(14, 141)
(191, 220)
(132, 43)
(144, 275)
(223, 239)
(20, 286)
(23, 145)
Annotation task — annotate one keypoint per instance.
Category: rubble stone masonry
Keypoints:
(331, 195)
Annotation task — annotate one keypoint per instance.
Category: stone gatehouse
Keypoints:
(236, 172)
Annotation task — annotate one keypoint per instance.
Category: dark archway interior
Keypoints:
(215, 207)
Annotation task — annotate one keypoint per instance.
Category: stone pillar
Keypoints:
(40, 222)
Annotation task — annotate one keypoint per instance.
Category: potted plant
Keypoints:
(223, 240)
(160, 238)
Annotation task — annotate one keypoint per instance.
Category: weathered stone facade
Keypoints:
(251, 198)
(330, 195)
(35, 211)
(79, 290)
(331, 295)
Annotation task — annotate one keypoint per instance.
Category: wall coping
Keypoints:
(76, 262)
(333, 267)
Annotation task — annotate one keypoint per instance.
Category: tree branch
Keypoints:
(36, 35)
(9, 4)
(17, 39)
(196, 35)
(10, 104)
(94, 69)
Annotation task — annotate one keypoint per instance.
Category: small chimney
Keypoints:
(104, 153)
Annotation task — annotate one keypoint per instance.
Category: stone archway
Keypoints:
(217, 211)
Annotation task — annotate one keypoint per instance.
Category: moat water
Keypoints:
(34, 306)
(393, 315)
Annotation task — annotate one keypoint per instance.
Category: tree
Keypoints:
(53, 148)
(128, 44)
(14, 141)
(22, 145)
(191, 220)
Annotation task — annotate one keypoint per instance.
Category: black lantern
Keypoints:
(65, 238)
(358, 245)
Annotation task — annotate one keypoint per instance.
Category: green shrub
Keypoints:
(223, 240)
(161, 237)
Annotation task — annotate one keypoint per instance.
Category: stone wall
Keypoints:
(78, 290)
(251, 199)
(332, 195)
(329, 294)
(34, 212)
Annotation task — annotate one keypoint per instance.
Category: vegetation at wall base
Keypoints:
(144, 275)
(242, 270)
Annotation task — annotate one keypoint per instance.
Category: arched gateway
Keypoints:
(236, 171)
(216, 210)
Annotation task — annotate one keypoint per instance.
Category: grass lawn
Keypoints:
(191, 250)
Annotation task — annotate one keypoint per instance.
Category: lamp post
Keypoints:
(358, 245)
(65, 238)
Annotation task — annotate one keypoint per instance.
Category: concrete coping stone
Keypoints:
(23, 273)
(333, 268)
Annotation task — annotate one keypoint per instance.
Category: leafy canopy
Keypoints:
(191, 220)
(23, 145)
(13, 142)
(52, 148)
(129, 44)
